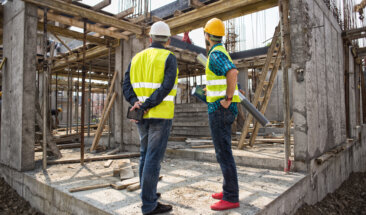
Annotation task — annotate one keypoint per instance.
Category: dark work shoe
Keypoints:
(158, 195)
(160, 209)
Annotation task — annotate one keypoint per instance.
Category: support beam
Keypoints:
(101, 5)
(91, 15)
(90, 54)
(125, 13)
(222, 9)
(73, 22)
(72, 34)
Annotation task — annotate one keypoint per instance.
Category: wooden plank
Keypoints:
(3, 63)
(137, 186)
(72, 34)
(96, 158)
(91, 15)
(267, 96)
(63, 146)
(108, 163)
(89, 187)
(90, 27)
(97, 51)
(124, 184)
(125, 13)
(101, 5)
(102, 122)
(105, 112)
(259, 89)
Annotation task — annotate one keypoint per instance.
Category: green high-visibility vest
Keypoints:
(216, 85)
(147, 75)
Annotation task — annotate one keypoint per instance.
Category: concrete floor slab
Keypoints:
(186, 184)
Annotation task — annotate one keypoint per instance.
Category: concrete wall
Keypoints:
(125, 131)
(322, 179)
(19, 85)
(318, 86)
(275, 109)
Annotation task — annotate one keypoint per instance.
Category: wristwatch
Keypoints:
(228, 99)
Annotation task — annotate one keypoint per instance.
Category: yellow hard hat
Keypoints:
(59, 109)
(215, 27)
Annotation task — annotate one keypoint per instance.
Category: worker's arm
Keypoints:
(231, 79)
(128, 92)
(222, 66)
(170, 74)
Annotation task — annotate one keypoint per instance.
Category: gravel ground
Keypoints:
(12, 204)
(350, 198)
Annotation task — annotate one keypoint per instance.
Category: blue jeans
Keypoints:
(220, 125)
(154, 134)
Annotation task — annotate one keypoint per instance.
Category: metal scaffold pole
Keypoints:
(83, 99)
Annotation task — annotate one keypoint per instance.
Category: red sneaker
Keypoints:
(224, 205)
(218, 195)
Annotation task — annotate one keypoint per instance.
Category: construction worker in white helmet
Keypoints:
(222, 98)
(150, 84)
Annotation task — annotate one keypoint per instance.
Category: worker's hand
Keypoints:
(225, 104)
(205, 89)
(136, 105)
(242, 91)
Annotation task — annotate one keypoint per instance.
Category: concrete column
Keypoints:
(125, 132)
(18, 84)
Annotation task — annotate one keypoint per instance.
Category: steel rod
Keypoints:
(83, 99)
(89, 100)
(109, 84)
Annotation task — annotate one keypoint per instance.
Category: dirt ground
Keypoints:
(350, 198)
(12, 204)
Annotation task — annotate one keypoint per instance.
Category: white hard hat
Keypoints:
(160, 29)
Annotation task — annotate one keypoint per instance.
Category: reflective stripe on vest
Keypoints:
(216, 85)
(147, 75)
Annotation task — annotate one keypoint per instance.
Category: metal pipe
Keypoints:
(83, 99)
(252, 110)
(109, 85)
(45, 68)
(89, 100)
(77, 103)
(68, 101)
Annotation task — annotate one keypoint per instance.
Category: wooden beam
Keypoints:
(96, 158)
(73, 22)
(90, 54)
(93, 85)
(3, 63)
(91, 15)
(125, 13)
(195, 3)
(72, 34)
(101, 5)
(62, 42)
(222, 9)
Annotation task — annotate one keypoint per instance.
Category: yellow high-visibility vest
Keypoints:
(216, 85)
(147, 75)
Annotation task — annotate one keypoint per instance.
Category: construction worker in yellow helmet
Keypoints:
(222, 98)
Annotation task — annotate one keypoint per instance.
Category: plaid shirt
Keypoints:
(220, 65)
